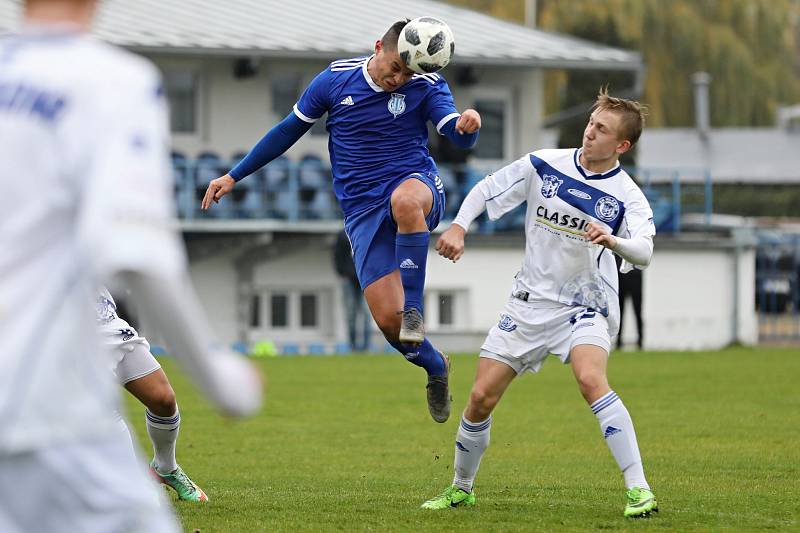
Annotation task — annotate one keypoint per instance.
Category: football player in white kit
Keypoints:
(84, 167)
(581, 207)
(137, 370)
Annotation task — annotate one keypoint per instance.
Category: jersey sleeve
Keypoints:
(315, 100)
(126, 220)
(638, 215)
(440, 107)
(507, 188)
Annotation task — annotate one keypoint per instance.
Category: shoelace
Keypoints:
(412, 318)
(182, 478)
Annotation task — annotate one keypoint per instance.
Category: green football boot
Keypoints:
(641, 502)
(177, 479)
(451, 497)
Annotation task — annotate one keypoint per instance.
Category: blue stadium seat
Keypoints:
(183, 183)
(316, 348)
(314, 188)
(210, 166)
(276, 183)
(290, 348)
(250, 193)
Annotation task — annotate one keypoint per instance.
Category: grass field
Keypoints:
(346, 444)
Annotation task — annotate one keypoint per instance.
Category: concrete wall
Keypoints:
(697, 295)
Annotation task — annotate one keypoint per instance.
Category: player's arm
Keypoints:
(312, 105)
(277, 140)
(497, 193)
(636, 250)
(126, 227)
(463, 130)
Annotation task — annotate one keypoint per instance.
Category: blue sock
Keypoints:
(424, 355)
(412, 254)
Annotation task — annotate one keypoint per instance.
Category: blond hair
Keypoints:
(631, 113)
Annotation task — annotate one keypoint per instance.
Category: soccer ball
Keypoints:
(426, 45)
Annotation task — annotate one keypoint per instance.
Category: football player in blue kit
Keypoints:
(386, 183)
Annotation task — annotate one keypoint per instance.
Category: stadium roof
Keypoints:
(732, 155)
(328, 29)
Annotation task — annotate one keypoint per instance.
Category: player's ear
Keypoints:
(378, 46)
(623, 147)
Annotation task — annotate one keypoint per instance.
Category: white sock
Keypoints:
(163, 433)
(617, 428)
(472, 439)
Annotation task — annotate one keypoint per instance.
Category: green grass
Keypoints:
(346, 444)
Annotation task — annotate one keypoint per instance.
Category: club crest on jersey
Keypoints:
(550, 185)
(397, 104)
(506, 323)
(606, 208)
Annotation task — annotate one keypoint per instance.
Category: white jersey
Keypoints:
(560, 265)
(84, 171)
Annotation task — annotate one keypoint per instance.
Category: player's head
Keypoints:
(613, 128)
(387, 69)
(78, 12)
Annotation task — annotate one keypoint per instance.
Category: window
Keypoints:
(285, 92)
(308, 310)
(255, 311)
(181, 87)
(279, 310)
(446, 305)
(493, 123)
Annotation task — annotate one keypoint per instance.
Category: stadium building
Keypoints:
(261, 259)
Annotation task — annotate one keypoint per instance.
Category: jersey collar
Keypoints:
(593, 176)
(368, 78)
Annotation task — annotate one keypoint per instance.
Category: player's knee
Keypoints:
(163, 403)
(590, 383)
(405, 205)
(482, 402)
(389, 324)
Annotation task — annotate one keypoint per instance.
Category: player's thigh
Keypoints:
(492, 378)
(88, 487)
(155, 392)
(572, 326)
(518, 339)
(412, 191)
(137, 362)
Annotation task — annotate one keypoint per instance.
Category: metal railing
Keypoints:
(295, 191)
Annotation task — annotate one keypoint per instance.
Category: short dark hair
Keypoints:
(389, 38)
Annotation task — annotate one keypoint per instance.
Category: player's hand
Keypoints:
(468, 122)
(599, 235)
(217, 189)
(451, 243)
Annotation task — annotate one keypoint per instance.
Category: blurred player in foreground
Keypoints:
(581, 207)
(386, 183)
(84, 165)
(137, 370)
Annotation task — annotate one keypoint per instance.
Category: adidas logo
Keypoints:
(347, 101)
(611, 430)
(408, 263)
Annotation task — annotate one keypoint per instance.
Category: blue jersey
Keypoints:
(376, 138)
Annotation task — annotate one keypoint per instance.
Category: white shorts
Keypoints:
(528, 332)
(87, 487)
(130, 354)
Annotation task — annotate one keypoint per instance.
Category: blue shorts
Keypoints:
(372, 232)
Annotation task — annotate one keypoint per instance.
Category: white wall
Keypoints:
(691, 293)
(233, 114)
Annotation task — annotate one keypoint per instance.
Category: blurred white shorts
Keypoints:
(130, 353)
(81, 487)
(529, 331)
